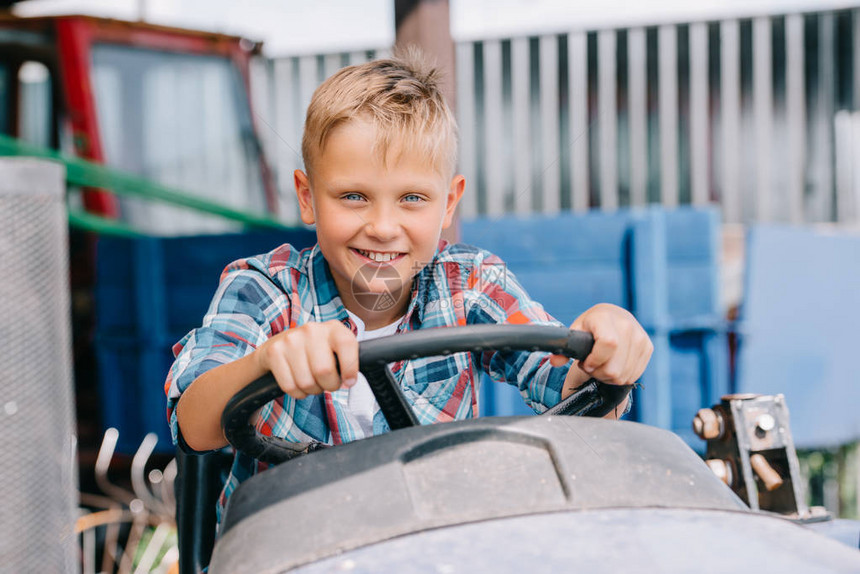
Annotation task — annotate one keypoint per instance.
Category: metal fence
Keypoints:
(738, 112)
(747, 113)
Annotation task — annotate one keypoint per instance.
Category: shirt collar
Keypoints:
(424, 287)
(327, 302)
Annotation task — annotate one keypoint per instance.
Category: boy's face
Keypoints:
(378, 224)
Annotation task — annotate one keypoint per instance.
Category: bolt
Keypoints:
(722, 469)
(766, 422)
(765, 472)
(707, 424)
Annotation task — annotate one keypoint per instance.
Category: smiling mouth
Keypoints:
(379, 256)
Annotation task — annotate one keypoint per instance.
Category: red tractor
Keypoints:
(168, 106)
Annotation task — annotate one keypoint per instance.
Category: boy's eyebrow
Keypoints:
(339, 185)
(343, 183)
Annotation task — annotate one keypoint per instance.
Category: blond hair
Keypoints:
(401, 98)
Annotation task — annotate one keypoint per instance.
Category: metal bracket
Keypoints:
(750, 447)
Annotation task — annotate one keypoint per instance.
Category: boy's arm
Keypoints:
(306, 360)
(199, 409)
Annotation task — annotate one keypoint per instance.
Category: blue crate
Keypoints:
(798, 329)
(693, 248)
(661, 265)
(150, 291)
(131, 390)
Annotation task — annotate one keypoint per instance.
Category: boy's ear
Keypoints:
(455, 192)
(303, 192)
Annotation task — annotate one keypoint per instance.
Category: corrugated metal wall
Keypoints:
(739, 112)
(753, 114)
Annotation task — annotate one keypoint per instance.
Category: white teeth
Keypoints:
(377, 256)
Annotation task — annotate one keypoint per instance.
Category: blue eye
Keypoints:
(413, 198)
(352, 196)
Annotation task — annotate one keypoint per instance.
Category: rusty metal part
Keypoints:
(756, 444)
(707, 424)
(765, 472)
(740, 397)
(723, 470)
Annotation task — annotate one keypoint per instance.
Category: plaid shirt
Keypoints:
(285, 288)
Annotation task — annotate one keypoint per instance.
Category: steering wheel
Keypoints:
(594, 398)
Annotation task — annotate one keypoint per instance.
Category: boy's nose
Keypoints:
(382, 225)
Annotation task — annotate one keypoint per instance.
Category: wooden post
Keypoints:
(426, 25)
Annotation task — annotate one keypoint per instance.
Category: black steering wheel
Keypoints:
(594, 398)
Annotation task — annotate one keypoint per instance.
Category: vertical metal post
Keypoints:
(821, 150)
(668, 90)
(260, 72)
(699, 138)
(522, 144)
(608, 114)
(730, 96)
(550, 165)
(495, 175)
(331, 64)
(843, 128)
(263, 100)
(287, 142)
(308, 80)
(577, 58)
(855, 35)
(763, 111)
(466, 120)
(795, 111)
(855, 162)
(638, 114)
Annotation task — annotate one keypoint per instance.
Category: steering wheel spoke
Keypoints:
(389, 395)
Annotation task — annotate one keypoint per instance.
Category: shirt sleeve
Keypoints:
(495, 296)
(245, 305)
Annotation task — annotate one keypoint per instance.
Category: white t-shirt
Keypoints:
(362, 403)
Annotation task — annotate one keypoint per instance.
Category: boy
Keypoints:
(379, 150)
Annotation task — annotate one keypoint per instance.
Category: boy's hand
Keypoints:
(621, 349)
(305, 360)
